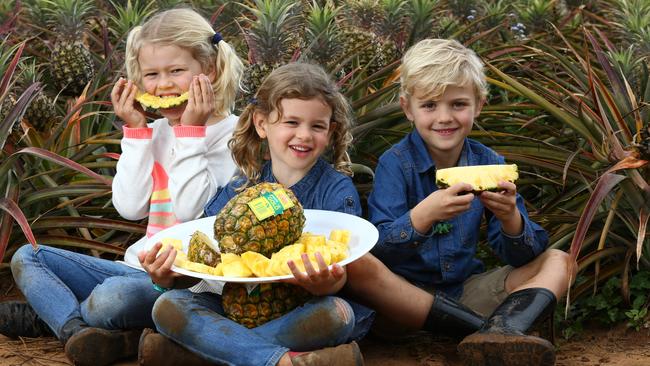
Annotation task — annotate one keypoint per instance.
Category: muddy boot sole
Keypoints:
(493, 349)
(100, 347)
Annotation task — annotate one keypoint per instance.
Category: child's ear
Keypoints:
(212, 74)
(404, 103)
(259, 120)
(479, 107)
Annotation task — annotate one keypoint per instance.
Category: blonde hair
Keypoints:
(186, 29)
(295, 80)
(431, 65)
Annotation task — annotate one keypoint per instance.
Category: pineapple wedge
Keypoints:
(152, 101)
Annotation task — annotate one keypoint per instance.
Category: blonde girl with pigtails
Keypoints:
(167, 171)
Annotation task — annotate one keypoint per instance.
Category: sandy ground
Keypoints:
(619, 346)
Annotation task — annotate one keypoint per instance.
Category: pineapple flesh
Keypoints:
(481, 177)
(152, 101)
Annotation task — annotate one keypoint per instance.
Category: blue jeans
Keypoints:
(62, 285)
(196, 321)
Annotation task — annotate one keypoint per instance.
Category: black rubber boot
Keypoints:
(18, 319)
(451, 318)
(503, 341)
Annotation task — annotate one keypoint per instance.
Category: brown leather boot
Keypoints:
(343, 355)
(157, 350)
(503, 340)
(99, 347)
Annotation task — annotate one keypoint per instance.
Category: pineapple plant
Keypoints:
(273, 38)
(359, 28)
(71, 62)
(323, 36)
(481, 177)
(238, 229)
(644, 146)
(41, 112)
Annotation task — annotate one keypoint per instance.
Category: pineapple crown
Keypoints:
(431, 65)
(295, 80)
(186, 29)
(68, 17)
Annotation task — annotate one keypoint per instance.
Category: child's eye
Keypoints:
(429, 105)
(320, 127)
(460, 105)
(291, 123)
(150, 74)
(176, 71)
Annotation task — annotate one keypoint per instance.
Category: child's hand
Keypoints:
(503, 205)
(200, 105)
(123, 99)
(159, 267)
(319, 282)
(441, 205)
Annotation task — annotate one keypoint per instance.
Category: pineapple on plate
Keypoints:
(203, 250)
(238, 230)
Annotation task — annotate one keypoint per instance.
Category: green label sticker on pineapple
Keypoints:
(270, 204)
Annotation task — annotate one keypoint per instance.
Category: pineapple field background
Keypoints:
(569, 93)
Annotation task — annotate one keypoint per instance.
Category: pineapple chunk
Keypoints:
(481, 177)
(171, 242)
(338, 251)
(256, 262)
(340, 235)
(236, 269)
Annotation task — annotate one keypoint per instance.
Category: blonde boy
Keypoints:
(428, 236)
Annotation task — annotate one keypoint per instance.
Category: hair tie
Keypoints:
(216, 38)
(253, 101)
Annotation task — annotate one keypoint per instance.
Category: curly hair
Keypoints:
(188, 30)
(295, 80)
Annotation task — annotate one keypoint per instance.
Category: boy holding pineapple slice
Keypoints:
(167, 172)
(428, 235)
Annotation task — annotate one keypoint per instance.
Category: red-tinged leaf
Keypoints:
(115, 156)
(629, 162)
(612, 75)
(77, 242)
(88, 222)
(6, 220)
(9, 72)
(605, 184)
(48, 155)
(12, 208)
(16, 113)
(640, 238)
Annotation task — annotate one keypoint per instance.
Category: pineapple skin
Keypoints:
(238, 230)
(199, 250)
(266, 302)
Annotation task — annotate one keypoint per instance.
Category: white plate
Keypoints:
(363, 236)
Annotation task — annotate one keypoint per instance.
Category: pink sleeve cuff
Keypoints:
(138, 133)
(189, 131)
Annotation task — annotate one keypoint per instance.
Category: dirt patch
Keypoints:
(618, 346)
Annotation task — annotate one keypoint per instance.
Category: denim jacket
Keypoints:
(323, 188)
(405, 175)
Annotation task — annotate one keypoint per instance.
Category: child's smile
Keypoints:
(167, 71)
(443, 123)
(297, 138)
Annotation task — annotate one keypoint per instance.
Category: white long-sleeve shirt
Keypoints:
(170, 173)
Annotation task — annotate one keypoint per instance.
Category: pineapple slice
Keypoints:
(481, 177)
(236, 269)
(152, 101)
(171, 242)
(338, 251)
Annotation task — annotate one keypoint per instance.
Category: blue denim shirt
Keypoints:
(405, 175)
(323, 188)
